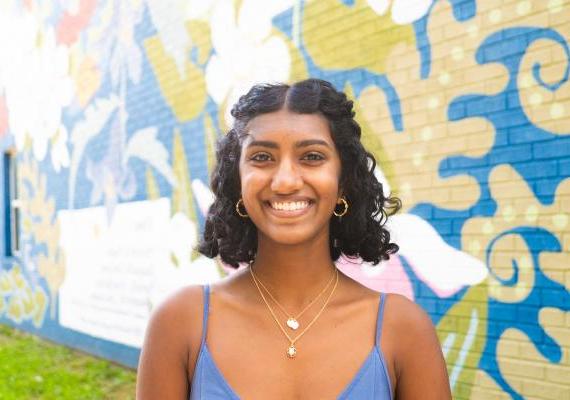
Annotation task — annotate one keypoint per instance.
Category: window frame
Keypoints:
(12, 205)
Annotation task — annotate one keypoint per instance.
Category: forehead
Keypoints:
(284, 124)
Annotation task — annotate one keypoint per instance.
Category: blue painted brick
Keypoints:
(511, 154)
(551, 297)
(505, 314)
(533, 331)
(459, 163)
(513, 100)
(501, 138)
(489, 363)
(507, 119)
(456, 110)
(546, 187)
(485, 104)
(524, 134)
(429, 305)
(464, 10)
(533, 300)
(457, 226)
(502, 48)
(564, 166)
(444, 227)
(448, 238)
(485, 207)
(558, 148)
(439, 214)
(495, 330)
(526, 314)
(538, 169)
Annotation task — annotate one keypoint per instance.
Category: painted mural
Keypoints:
(114, 107)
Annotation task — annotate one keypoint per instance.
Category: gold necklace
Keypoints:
(292, 350)
(293, 321)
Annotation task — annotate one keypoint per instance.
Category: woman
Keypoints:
(294, 189)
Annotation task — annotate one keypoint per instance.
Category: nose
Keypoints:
(287, 178)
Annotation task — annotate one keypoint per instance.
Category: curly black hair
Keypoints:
(360, 233)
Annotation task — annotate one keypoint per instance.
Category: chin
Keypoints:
(289, 236)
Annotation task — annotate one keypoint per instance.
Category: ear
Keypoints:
(340, 192)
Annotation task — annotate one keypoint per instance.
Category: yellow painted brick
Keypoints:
(545, 390)
(535, 18)
(558, 19)
(521, 202)
(453, 204)
(438, 115)
(448, 146)
(487, 6)
(562, 334)
(437, 34)
(416, 119)
(566, 241)
(558, 374)
(453, 31)
(522, 368)
(407, 60)
(400, 77)
(482, 381)
(555, 319)
(458, 194)
(439, 196)
(439, 16)
(539, 18)
(479, 393)
(401, 162)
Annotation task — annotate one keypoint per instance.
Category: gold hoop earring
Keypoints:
(244, 215)
(345, 203)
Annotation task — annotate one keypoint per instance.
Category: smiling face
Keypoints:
(289, 173)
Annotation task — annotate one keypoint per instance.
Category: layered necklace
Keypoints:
(292, 321)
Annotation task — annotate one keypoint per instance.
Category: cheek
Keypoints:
(251, 182)
(328, 186)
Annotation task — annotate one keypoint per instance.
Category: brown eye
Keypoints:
(313, 157)
(260, 157)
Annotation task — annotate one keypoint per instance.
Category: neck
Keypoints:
(294, 274)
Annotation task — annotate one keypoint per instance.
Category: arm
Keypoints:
(418, 361)
(163, 364)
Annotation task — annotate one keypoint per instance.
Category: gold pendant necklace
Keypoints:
(291, 351)
(292, 320)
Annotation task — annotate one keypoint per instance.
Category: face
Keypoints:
(290, 172)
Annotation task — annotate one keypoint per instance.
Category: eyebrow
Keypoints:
(302, 143)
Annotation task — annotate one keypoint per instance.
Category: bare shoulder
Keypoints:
(171, 343)
(409, 328)
(407, 317)
(415, 351)
(183, 306)
(178, 319)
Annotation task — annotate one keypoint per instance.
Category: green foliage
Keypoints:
(32, 368)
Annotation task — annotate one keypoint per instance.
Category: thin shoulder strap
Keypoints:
(206, 308)
(379, 318)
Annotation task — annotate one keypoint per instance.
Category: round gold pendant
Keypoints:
(293, 323)
(291, 351)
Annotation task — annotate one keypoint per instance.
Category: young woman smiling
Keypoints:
(294, 190)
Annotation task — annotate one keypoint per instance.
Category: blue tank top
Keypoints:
(371, 381)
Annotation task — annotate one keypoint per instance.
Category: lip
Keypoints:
(289, 213)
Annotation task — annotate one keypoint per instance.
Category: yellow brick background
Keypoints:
(465, 106)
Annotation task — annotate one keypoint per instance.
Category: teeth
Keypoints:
(290, 206)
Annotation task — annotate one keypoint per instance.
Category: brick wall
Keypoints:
(113, 108)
